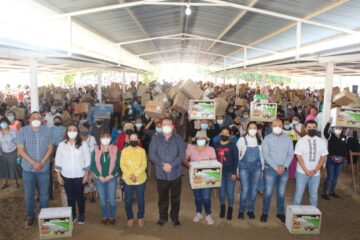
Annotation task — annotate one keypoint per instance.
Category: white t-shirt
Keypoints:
(311, 149)
(50, 119)
(298, 128)
(91, 142)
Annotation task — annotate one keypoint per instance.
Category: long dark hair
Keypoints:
(78, 140)
(258, 137)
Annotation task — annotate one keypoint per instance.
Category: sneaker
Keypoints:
(197, 217)
(251, 215)
(241, 215)
(176, 223)
(209, 219)
(104, 221)
(325, 196)
(334, 195)
(81, 220)
(281, 217)
(74, 220)
(29, 223)
(141, 223)
(161, 222)
(112, 222)
(263, 218)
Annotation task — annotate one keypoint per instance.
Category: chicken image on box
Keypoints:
(205, 174)
(345, 117)
(55, 223)
(202, 109)
(303, 219)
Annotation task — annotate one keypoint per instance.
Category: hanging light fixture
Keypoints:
(188, 10)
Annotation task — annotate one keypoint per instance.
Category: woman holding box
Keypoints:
(199, 152)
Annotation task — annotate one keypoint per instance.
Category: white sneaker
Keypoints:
(198, 217)
(209, 220)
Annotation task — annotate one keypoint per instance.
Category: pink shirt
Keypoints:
(207, 154)
(310, 117)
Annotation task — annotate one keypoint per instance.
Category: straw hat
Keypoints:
(128, 126)
(201, 134)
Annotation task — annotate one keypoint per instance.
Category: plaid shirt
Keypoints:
(58, 134)
(36, 145)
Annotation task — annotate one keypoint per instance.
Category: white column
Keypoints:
(237, 86)
(70, 35)
(99, 85)
(224, 80)
(298, 40)
(34, 85)
(327, 94)
(137, 79)
(215, 82)
(124, 82)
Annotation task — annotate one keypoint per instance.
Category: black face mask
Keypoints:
(84, 133)
(311, 132)
(129, 132)
(99, 122)
(58, 124)
(224, 138)
(133, 143)
(259, 126)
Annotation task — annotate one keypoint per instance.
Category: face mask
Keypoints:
(287, 127)
(57, 124)
(129, 132)
(35, 123)
(72, 135)
(53, 111)
(4, 125)
(246, 116)
(259, 126)
(167, 129)
(158, 130)
(133, 143)
(84, 133)
(224, 138)
(252, 132)
(201, 142)
(11, 118)
(295, 122)
(105, 141)
(204, 126)
(129, 106)
(138, 125)
(277, 130)
(220, 121)
(311, 132)
(337, 131)
(99, 122)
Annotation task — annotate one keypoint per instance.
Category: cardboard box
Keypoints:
(202, 109)
(163, 99)
(241, 102)
(154, 109)
(127, 95)
(221, 105)
(142, 89)
(11, 101)
(263, 112)
(172, 93)
(81, 108)
(191, 90)
(345, 117)
(55, 223)
(103, 111)
(181, 103)
(303, 219)
(145, 98)
(345, 98)
(67, 119)
(20, 113)
(205, 174)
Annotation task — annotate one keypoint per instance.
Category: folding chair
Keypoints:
(352, 155)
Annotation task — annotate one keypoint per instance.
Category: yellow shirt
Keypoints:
(133, 161)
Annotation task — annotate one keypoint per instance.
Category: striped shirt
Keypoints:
(7, 142)
(36, 145)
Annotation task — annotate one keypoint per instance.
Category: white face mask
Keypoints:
(201, 142)
(220, 121)
(252, 132)
(277, 130)
(295, 122)
(105, 141)
(72, 135)
(36, 123)
(167, 129)
(337, 131)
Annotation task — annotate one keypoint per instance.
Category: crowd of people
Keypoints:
(92, 156)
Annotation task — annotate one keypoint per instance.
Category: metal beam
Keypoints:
(232, 24)
(147, 39)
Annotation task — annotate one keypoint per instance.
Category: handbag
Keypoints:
(337, 159)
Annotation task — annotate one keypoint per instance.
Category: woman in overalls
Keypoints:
(251, 163)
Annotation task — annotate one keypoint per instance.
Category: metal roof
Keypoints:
(265, 25)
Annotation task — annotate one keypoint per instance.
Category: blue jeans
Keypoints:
(227, 189)
(261, 184)
(249, 179)
(333, 172)
(272, 178)
(139, 191)
(107, 194)
(312, 182)
(203, 198)
(31, 181)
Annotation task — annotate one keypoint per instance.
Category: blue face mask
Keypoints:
(204, 126)
(201, 142)
(287, 127)
(11, 118)
(138, 125)
(159, 130)
(4, 125)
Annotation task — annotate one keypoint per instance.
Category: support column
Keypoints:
(237, 86)
(215, 82)
(99, 85)
(124, 82)
(327, 94)
(34, 85)
(137, 79)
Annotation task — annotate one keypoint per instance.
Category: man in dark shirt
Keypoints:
(167, 151)
(100, 126)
